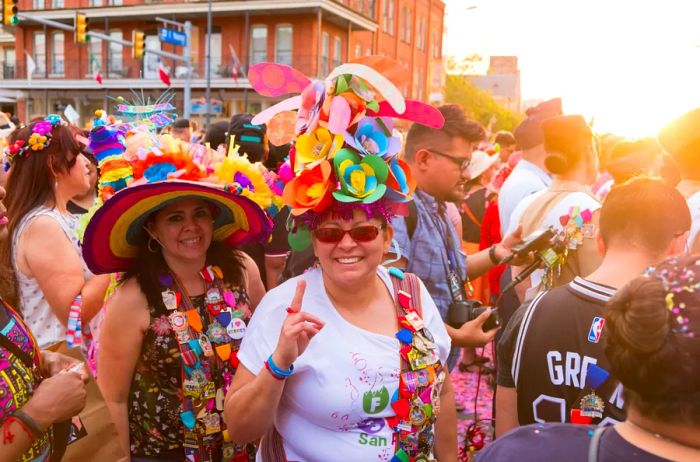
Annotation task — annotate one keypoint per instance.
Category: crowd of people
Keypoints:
(239, 301)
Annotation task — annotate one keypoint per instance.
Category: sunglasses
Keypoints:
(364, 233)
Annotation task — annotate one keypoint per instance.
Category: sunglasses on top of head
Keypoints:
(363, 233)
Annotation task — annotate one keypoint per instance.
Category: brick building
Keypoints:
(311, 35)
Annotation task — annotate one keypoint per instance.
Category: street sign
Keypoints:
(172, 36)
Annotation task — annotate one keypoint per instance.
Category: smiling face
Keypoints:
(184, 229)
(350, 262)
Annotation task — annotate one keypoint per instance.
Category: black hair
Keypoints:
(456, 126)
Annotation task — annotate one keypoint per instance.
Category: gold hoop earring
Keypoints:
(148, 245)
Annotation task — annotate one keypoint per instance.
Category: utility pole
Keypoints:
(207, 92)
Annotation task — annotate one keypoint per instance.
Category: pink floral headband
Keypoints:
(39, 139)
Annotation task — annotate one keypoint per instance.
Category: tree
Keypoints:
(478, 104)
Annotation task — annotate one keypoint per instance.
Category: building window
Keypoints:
(115, 2)
(361, 6)
(370, 9)
(283, 44)
(258, 44)
(418, 84)
(358, 50)
(94, 56)
(57, 50)
(39, 54)
(421, 33)
(391, 13)
(388, 17)
(406, 24)
(57, 4)
(37, 4)
(437, 46)
(8, 65)
(324, 54)
(150, 60)
(337, 51)
(116, 58)
(95, 3)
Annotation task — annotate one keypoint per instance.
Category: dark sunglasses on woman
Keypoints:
(364, 233)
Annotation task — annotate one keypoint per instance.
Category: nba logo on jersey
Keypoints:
(596, 329)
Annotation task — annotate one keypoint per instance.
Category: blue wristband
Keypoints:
(276, 371)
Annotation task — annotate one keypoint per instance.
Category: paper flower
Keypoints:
(373, 136)
(312, 98)
(316, 146)
(400, 182)
(250, 177)
(310, 190)
(37, 142)
(361, 178)
(42, 128)
(53, 119)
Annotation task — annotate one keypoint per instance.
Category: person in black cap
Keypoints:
(681, 139)
(182, 130)
(216, 134)
(270, 258)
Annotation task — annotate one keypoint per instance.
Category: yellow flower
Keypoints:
(319, 145)
(238, 169)
(37, 142)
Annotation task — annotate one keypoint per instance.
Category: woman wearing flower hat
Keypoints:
(54, 285)
(346, 361)
(169, 341)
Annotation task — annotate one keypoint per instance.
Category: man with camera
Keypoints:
(428, 243)
(552, 363)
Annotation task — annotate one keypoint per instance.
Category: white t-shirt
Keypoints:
(333, 406)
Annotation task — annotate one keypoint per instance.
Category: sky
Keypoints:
(631, 65)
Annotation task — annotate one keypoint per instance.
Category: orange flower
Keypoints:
(310, 190)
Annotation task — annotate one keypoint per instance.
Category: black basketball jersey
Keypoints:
(559, 334)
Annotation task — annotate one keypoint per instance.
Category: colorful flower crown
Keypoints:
(39, 139)
(346, 153)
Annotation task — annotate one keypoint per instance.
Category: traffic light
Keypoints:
(81, 28)
(137, 49)
(9, 12)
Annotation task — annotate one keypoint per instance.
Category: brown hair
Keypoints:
(644, 211)
(456, 126)
(32, 176)
(657, 363)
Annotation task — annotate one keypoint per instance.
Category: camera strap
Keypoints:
(454, 281)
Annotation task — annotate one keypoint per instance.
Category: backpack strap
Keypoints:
(409, 283)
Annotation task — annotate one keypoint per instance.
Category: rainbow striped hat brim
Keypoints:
(114, 233)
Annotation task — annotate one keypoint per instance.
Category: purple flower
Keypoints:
(42, 128)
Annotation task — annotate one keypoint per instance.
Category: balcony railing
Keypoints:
(131, 69)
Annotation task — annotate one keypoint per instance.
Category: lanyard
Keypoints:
(454, 281)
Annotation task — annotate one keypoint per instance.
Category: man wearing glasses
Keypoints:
(429, 245)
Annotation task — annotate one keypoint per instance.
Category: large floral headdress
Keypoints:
(345, 154)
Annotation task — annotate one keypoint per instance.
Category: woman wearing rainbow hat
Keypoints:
(345, 362)
(172, 328)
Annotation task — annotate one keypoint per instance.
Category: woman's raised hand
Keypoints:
(297, 331)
